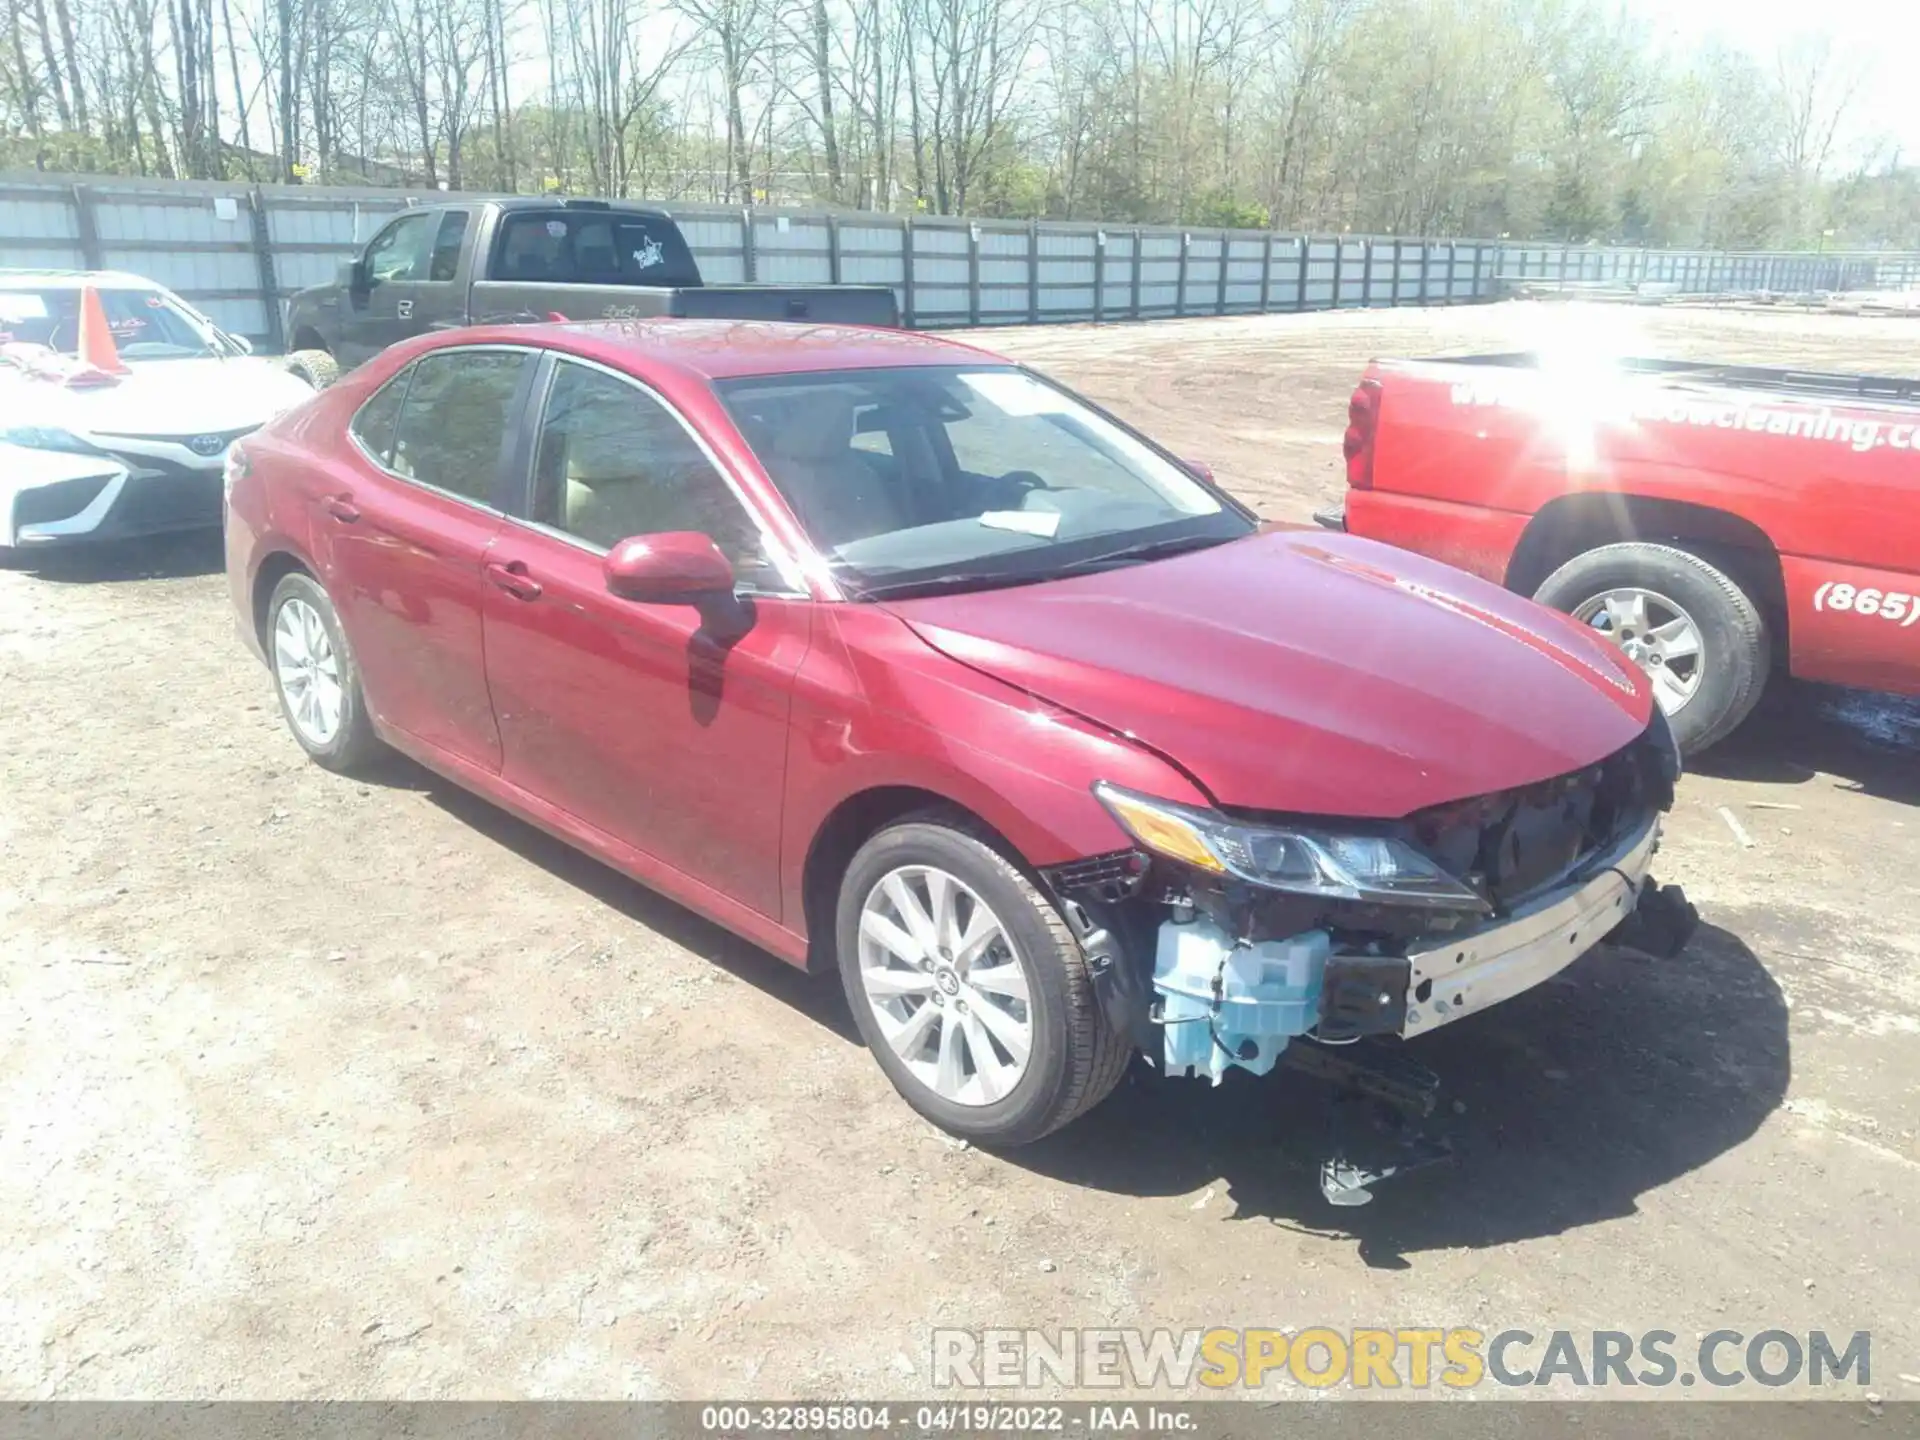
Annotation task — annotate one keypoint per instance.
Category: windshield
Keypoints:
(146, 324)
(954, 478)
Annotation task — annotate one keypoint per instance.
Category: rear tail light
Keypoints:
(1363, 421)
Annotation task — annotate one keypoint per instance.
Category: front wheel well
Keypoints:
(853, 822)
(275, 568)
(1575, 524)
(307, 338)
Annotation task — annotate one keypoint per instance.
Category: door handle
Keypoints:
(341, 507)
(512, 577)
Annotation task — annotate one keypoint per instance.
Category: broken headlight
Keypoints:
(1300, 859)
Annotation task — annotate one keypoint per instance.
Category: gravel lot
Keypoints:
(324, 1089)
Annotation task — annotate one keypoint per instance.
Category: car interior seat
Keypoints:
(840, 497)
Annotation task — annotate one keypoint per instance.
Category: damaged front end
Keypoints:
(1229, 939)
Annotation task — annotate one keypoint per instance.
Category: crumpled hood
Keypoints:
(1306, 672)
(158, 398)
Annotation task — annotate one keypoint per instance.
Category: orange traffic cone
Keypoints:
(96, 336)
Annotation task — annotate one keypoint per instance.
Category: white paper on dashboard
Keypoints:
(1026, 522)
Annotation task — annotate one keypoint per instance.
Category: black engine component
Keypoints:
(1363, 995)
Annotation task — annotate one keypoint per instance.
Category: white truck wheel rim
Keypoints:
(1658, 635)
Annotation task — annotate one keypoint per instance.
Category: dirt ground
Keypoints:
(314, 1088)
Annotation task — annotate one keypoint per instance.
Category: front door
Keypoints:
(664, 726)
(370, 317)
(409, 540)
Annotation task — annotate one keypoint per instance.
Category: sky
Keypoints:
(1881, 35)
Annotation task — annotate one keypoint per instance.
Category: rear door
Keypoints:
(662, 726)
(407, 543)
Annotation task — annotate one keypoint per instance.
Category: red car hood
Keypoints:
(1305, 672)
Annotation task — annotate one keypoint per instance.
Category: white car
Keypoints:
(136, 453)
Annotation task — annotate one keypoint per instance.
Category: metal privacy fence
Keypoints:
(237, 252)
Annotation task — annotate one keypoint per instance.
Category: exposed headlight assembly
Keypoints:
(1301, 860)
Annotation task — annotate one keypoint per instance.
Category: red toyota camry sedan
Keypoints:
(898, 658)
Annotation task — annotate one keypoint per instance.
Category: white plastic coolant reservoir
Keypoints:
(1226, 1004)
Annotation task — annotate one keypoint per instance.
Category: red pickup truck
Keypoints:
(1714, 521)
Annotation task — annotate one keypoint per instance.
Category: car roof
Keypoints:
(74, 280)
(728, 349)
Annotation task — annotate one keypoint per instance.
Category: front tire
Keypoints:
(969, 987)
(1695, 631)
(315, 677)
(316, 367)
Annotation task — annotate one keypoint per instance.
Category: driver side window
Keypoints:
(399, 252)
(614, 462)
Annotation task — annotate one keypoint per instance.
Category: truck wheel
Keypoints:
(969, 987)
(316, 367)
(1696, 633)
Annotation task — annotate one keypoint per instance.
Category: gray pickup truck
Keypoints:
(491, 261)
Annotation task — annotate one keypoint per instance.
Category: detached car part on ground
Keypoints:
(1717, 522)
(903, 661)
(117, 405)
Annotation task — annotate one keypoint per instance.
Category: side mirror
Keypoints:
(677, 567)
(1205, 472)
(355, 275)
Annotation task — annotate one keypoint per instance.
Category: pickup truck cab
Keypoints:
(503, 261)
(1717, 522)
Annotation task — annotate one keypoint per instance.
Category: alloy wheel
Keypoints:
(308, 671)
(1657, 634)
(950, 992)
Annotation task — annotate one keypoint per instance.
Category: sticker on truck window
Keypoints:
(1893, 606)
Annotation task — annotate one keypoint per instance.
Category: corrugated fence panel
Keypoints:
(202, 239)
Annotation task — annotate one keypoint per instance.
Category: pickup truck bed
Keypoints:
(1718, 521)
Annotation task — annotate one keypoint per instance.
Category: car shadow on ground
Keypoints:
(819, 998)
(157, 557)
(1801, 730)
(1563, 1106)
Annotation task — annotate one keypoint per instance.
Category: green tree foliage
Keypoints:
(1556, 119)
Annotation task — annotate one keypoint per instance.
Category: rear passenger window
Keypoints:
(454, 423)
(373, 424)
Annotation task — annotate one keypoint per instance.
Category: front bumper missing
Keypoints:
(1536, 942)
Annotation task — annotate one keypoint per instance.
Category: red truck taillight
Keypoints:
(1363, 420)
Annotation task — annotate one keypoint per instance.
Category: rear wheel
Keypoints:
(316, 367)
(1699, 636)
(315, 677)
(969, 987)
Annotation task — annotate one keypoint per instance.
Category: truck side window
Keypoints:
(453, 425)
(614, 462)
(399, 251)
(446, 245)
